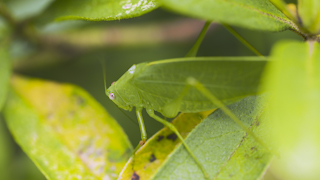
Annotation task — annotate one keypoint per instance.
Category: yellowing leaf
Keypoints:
(66, 133)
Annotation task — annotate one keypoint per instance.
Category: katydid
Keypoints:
(186, 85)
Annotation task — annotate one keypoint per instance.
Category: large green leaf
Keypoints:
(66, 133)
(5, 69)
(293, 79)
(225, 150)
(257, 14)
(99, 10)
(309, 12)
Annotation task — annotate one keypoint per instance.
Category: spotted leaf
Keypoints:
(66, 133)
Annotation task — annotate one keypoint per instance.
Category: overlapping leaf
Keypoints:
(66, 133)
(99, 10)
(258, 14)
(293, 80)
(222, 147)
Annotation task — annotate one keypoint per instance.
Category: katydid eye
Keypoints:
(111, 96)
(112, 83)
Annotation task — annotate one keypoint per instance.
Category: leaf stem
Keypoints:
(193, 51)
(242, 40)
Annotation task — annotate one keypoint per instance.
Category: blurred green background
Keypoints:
(73, 52)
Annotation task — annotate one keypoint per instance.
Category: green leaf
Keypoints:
(309, 12)
(220, 144)
(23, 9)
(293, 80)
(5, 70)
(99, 10)
(257, 14)
(66, 133)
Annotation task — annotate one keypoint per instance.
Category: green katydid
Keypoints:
(164, 86)
(186, 85)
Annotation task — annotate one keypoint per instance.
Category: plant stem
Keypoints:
(241, 39)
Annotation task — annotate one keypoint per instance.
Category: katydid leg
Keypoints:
(142, 131)
(175, 130)
(141, 126)
(241, 39)
(196, 84)
(193, 51)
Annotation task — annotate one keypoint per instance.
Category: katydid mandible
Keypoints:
(186, 85)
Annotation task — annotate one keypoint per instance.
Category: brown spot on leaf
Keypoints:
(152, 158)
(172, 136)
(160, 138)
(135, 176)
(258, 123)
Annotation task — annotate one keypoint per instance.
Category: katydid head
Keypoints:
(123, 92)
(114, 96)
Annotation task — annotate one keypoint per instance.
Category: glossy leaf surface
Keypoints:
(99, 10)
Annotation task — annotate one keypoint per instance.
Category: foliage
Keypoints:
(298, 139)
(57, 137)
(68, 135)
(261, 15)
